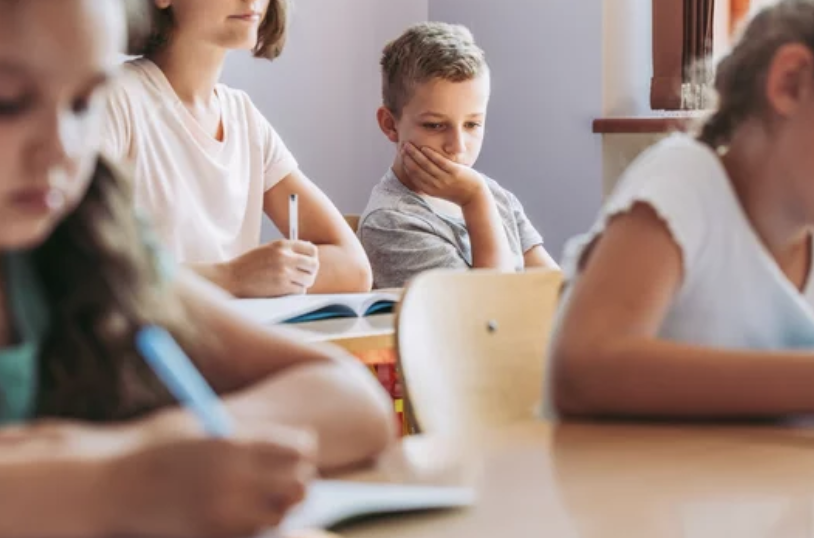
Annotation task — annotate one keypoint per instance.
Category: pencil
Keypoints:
(293, 218)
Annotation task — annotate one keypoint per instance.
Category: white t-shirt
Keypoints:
(733, 294)
(204, 196)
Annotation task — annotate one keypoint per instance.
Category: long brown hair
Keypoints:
(102, 282)
(740, 77)
(271, 36)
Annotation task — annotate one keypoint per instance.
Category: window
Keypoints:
(683, 37)
(683, 51)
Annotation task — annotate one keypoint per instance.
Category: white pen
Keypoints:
(293, 218)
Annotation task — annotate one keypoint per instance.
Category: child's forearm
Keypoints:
(59, 497)
(490, 245)
(336, 397)
(342, 269)
(351, 414)
(216, 273)
(641, 378)
(538, 257)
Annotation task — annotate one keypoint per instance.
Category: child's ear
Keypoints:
(162, 4)
(788, 81)
(387, 123)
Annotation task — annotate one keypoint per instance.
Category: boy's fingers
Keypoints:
(421, 160)
(417, 172)
(445, 165)
(305, 248)
(306, 264)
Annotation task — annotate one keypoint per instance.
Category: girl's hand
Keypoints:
(200, 488)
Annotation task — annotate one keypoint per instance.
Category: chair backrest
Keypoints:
(472, 347)
(353, 222)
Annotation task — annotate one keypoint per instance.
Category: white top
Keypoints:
(205, 196)
(733, 294)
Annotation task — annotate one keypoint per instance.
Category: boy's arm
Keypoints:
(537, 256)
(490, 245)
(534, 253)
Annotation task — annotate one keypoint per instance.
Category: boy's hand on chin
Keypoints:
(431, 173)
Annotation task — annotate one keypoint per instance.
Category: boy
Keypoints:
(432, 209)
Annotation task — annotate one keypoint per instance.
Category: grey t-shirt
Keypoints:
(404, 236)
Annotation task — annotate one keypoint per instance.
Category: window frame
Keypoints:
(667, 85)
(668, 60)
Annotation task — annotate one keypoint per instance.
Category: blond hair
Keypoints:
(427, 51)
(740, 77)
(151, 29)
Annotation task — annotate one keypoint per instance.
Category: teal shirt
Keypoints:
(19, 363)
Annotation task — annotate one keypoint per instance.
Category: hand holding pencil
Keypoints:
(226, 479)
(284, 267)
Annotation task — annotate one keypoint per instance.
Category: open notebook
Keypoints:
(300, 308)
(333, 502)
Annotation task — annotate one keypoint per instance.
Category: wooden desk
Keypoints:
(357, 335)
(611, 481)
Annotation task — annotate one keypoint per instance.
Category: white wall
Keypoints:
(322, 94)
(627, 68)
(627, 57)
(546, 60)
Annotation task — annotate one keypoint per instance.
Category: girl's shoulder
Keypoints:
(685, 183)
(679, 174)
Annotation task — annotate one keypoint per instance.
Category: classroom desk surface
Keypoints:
(615, 481)
(357, 335)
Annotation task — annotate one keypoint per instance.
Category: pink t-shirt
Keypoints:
(205, 196)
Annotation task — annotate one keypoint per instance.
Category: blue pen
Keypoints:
(184, 381)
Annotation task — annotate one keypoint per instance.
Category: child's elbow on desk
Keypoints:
(345, 405)
(370, 407)
(571, 397)
(359, 275)
(343, 269)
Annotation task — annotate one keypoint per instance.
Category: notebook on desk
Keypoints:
(302, 308)
(330, 503)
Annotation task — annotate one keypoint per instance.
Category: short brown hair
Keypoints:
(150, 29)
(427, 51)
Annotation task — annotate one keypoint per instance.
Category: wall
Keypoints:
(322, 94)
(547, 89)
(627, 57)
(627, 67)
